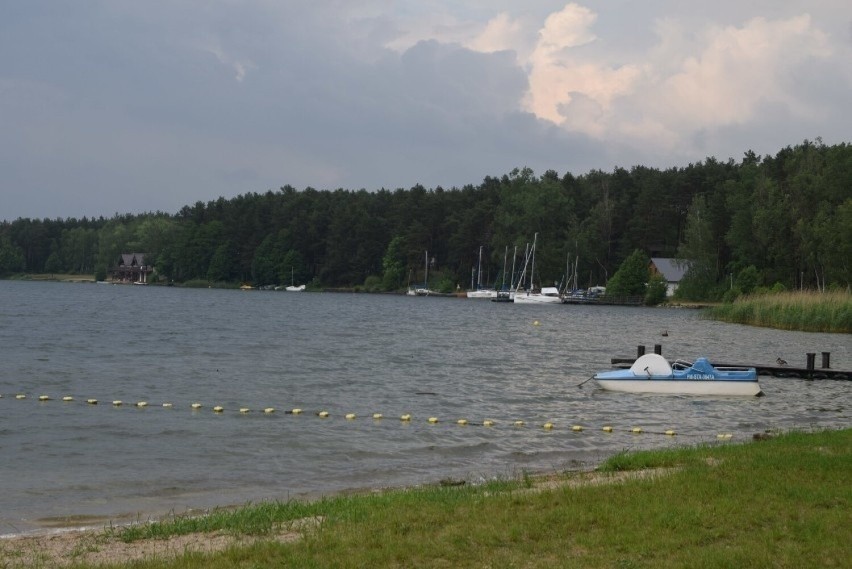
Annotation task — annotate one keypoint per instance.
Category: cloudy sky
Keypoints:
(121, 106)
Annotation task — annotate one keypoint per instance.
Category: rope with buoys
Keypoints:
(377, 417)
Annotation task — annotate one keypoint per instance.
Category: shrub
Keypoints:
(656, 292)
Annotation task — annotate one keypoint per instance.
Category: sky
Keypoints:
(117, 106)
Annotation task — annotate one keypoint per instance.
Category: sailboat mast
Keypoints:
(479, 270)
(523, 278)
(576, 261)
(505, 255)
(514, 257)
(532, 270)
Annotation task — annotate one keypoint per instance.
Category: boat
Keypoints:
(547, 295)
(507, 294)
(544, 295)
(652, 373)
(422, 290)
(293, 287)
(480, 292)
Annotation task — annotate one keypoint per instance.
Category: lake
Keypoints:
(72, 463)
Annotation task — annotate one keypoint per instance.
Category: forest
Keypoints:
(782, 221)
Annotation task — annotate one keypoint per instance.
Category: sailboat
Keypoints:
(480, 292)
(507, 294)
(422, 290)
(293, 287)
(545, 295)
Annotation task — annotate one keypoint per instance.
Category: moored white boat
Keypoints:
(293, 287)
(480, 292)
(422, 290)
(547, 295)
(652, 373)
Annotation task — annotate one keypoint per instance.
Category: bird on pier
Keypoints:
(781, 361)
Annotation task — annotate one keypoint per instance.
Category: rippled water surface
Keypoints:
(361, 354)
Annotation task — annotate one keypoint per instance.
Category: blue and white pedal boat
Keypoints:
(652, 373)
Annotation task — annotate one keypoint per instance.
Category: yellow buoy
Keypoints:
(142, 404)
(323, 414)
(296, 411)
(433, 420)
(218, 409)
(671, 433)
(462, 421)
(268, 410)
(196, 405)
(92, 401)
(536, 323)
(350, 416)
(518, 423)
(118, 403)
(20, 396)
(44, 397)
(607, 429)
(577, 428)
(68, 398)
(167, 405)
(547, 426)
(377, 415)
(405, 417)
(488, 423)
(244, 410)
(636, 430)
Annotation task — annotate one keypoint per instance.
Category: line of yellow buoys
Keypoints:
(405, 418)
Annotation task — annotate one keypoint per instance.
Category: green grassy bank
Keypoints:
(781, 502)
(58, 277)
(805, 311)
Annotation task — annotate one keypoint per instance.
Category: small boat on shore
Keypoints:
(652, 373)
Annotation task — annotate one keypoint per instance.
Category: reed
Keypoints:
(804, 311)
(781, 502)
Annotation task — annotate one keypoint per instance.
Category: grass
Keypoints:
(60, 277)
(782, 502)
(805, 311)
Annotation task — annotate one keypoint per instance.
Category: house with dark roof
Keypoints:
(672, 271)
(131, 268)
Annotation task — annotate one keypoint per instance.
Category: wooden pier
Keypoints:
(810, 371)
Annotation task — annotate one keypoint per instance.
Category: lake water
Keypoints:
(341, 353)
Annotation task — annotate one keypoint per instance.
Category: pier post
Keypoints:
(640, 351)
(826, 356)
(658, 349)
(811, 360)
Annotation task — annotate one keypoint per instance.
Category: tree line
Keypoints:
(783, 221)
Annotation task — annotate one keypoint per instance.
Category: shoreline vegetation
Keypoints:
(781, 500)
(805, 311)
